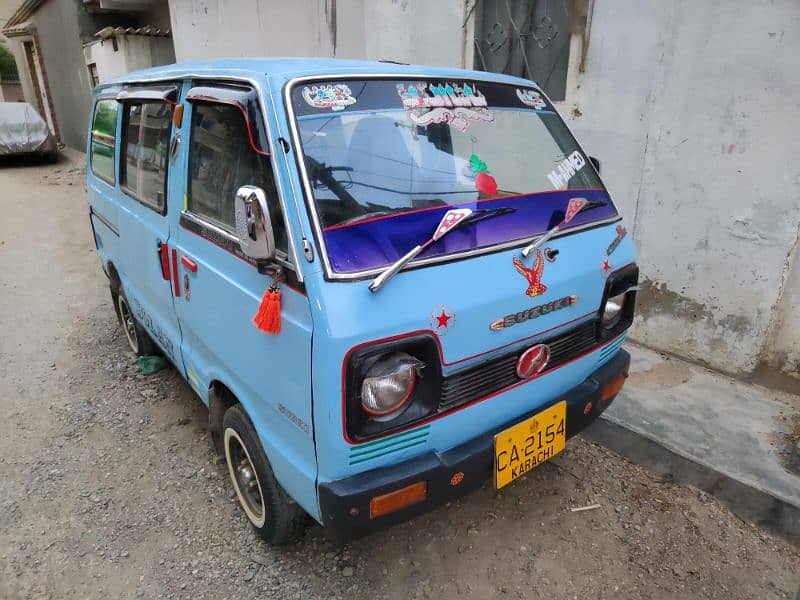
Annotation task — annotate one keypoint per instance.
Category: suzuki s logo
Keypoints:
(533, 361)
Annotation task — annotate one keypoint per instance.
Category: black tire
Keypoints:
(138, 339)
(271, 512)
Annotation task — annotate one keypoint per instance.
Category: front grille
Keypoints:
(481, 380)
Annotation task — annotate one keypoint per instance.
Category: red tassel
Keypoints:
(268, 317)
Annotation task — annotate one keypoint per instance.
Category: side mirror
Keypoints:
(253, 225)
(596, 163)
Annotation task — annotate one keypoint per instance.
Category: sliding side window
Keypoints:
(143, 164)
(104, 139)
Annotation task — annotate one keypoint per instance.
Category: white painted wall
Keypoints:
(693, 107)
(133, 52)
(407, 30)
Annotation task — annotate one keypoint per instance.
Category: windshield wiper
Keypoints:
(451, 220)
(575, 206)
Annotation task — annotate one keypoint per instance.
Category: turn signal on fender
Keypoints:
(411, 494)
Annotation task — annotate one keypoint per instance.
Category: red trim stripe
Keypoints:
(176, 280)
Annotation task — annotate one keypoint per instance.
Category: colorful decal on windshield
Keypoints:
(532, 98)
(449, 103)
(533, 275)
(380, 241)
(442, 319)
(621, 233)
(484, 182)
(334, 96)
(568, 167)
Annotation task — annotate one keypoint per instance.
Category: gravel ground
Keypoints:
(108, 487)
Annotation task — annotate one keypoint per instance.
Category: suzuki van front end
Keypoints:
(389, 284)
(477, 286)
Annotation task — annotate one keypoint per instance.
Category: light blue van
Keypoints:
(389, 284)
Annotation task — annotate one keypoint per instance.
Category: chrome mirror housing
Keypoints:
(253, 225)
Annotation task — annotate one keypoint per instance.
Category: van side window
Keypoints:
(143, 164)
(221, 160)
(104, 139)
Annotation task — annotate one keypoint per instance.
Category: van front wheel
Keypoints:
(271, 512)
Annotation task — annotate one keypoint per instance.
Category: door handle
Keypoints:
(189, 264)
(163, 253)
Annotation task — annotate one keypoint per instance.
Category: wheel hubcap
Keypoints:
(128, 324)
(244, 478)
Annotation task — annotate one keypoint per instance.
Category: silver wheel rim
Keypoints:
(244, 478)
(128, 324)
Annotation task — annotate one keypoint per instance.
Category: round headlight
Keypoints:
(388, 384)
(613, 310)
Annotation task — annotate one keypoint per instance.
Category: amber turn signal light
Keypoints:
(411, 494)
(612, 388)
(177, 116)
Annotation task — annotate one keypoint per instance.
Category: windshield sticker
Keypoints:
(532, 98)
(378, 242)
(449, 103)
(621, 233)
(533, 275)
(442, 319)
(484, 182)
(568, 167)
(336, 96)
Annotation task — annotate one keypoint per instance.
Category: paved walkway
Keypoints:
(735, 440)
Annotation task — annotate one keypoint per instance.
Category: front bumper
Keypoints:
(345, 504)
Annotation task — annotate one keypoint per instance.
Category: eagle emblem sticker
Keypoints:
(533, 361)
(533, 275)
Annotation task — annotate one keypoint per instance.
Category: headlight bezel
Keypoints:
(622, 282)
(422, 401)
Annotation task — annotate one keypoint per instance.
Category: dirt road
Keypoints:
(108, 489)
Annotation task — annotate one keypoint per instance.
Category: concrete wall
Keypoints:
(693, 109)
(59, 37)
(408, 31)
(133, 52)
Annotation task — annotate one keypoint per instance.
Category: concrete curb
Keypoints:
(750, 503)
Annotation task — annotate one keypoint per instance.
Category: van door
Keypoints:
(144, 228)
(225, 147)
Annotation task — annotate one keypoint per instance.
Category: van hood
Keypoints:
(481, 306)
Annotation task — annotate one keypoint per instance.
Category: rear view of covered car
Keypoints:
(24, 132)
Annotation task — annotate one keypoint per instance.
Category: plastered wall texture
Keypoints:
(694, 109)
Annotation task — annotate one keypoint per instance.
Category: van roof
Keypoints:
(283, 69)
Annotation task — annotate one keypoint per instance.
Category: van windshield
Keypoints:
(385, 159)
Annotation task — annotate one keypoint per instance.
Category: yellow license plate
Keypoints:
(528, 444)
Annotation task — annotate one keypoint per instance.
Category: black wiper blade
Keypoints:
(482, 214)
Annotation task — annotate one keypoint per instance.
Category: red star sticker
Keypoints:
(606, 266)
(442, 319)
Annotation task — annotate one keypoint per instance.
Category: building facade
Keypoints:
(47, 38)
